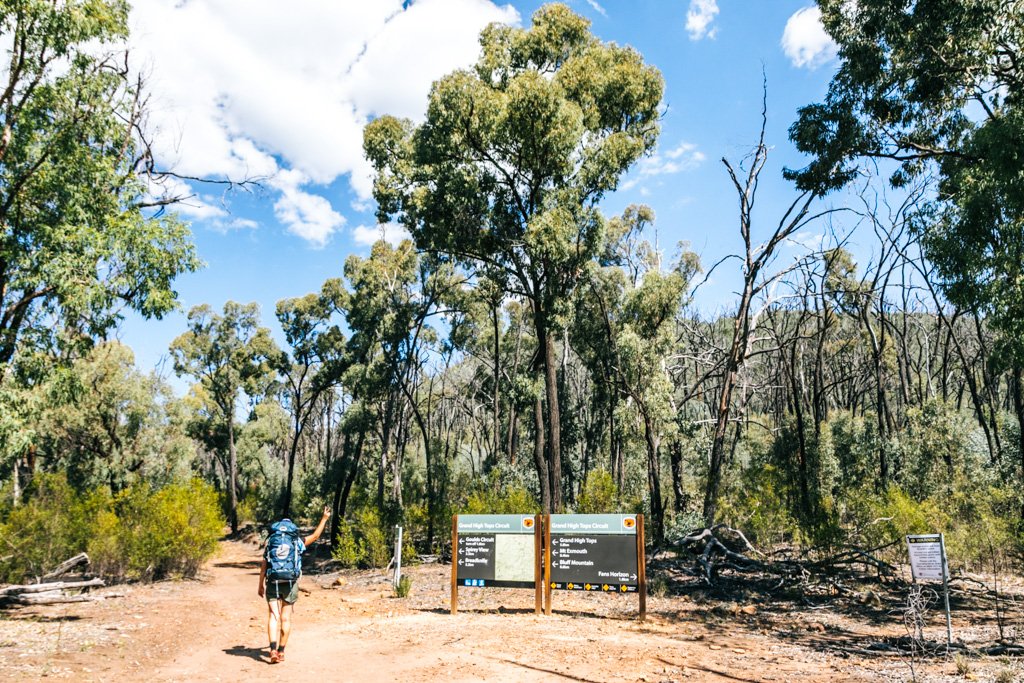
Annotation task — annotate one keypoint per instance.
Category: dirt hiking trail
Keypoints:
(348, 627)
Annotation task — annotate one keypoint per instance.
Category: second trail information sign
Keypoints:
(596, 553)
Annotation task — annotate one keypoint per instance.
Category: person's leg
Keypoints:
(274, 626)
(286, 625)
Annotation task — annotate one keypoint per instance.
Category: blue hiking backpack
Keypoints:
(283, 554)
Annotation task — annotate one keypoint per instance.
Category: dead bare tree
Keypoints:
(756, 258)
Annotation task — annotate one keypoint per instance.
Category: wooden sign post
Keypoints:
(496, 551)
(595, 553)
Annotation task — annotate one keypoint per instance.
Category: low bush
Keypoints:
(493, 496)
(403, 588)
(364, 541)
(599, 494)
(141, 533)
(168, 532)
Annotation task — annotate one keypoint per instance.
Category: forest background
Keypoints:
(521, 350)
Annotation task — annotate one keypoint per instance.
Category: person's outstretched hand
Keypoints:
(327, 511)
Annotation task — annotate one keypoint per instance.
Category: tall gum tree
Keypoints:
(312, 369)
(508, 168)
(228, 354)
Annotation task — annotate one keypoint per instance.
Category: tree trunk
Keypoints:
(654, 481)
(286, 505)
(805, 496)
(676, 457)
(1018, 406)
(384, 450)
(232, 472)
(538, 456)
(16, 487)
(554, 423)
(346, 442)
(497, 376)
(396, 464)
(732, 363)
(513, 418)
(351, 477)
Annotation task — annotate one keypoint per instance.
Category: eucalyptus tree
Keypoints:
(509, 167)
(625, 325)
(312, 369)
(105, 423)
(757, 279)
(229, 354)
(394, 295)
(937, 87)
(79, 239)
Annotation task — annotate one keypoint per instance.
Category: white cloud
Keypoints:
(251, 88)
(808, 239)
(309, 216)
(683, 157)
(393, 233)
(804, 39)
(597, 7)
(700, 17)
(225, 226)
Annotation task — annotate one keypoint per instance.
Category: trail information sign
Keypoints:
(495, 551)
(595, 553)
(928, 563)
(927, 557)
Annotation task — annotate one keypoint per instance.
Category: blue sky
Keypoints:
(241, 90)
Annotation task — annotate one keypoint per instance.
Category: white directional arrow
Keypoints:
(460, 563)
(634, 577)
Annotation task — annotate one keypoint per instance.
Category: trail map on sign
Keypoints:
(495, 551)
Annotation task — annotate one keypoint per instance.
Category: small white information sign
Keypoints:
(927, 557)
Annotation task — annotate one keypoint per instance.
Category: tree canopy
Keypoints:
(79, 236)
(506, 173)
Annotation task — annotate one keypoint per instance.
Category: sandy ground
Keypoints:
(351, 628)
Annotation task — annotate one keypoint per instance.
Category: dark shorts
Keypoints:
(283, 590)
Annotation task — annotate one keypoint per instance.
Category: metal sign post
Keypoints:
(398, 556)
(455, 545)
(928, 562)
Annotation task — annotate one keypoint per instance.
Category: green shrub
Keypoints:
(48, 528)
(403, 587)
(877, 520)
(760, 507)
(346, 549)
(363, 542)
(491, 496)
(599, 494)
(140, 534)
(373, 540)
(170, 532)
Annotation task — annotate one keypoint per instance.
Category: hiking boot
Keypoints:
(275, 657)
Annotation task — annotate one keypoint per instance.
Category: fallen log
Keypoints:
(66, 566)
(37, 599)
(56, 585)
(715, 555)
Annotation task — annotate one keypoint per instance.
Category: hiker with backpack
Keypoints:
(279, 578)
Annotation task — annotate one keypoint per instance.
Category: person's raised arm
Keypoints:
(320, 527)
